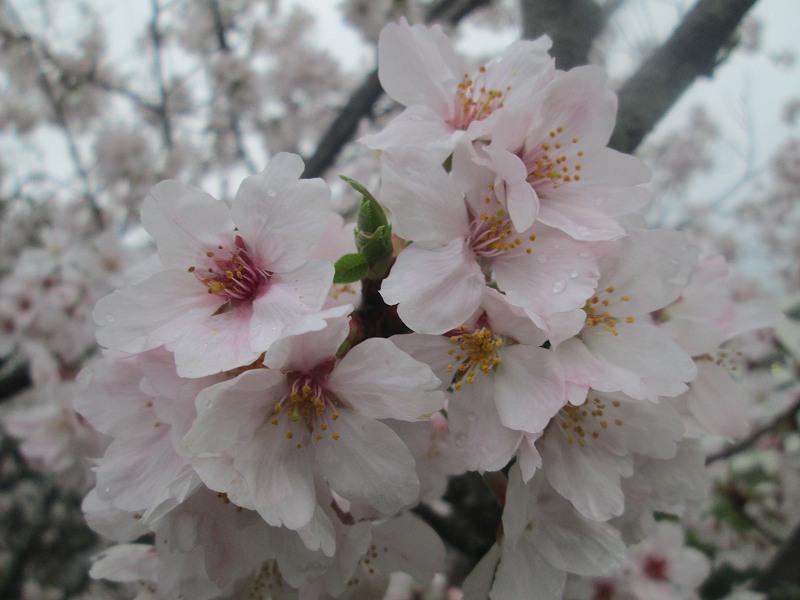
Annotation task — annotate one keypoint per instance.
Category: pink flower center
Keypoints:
(308, 402)
(604, 590)
(655, 568)
(235, 277)
(474, 102)
(554, 162)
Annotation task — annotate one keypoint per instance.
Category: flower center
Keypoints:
(474, 351)
(474, 102)
(596, 315)
(587, 421)
(235, 278)
(655, 567)
(492, 233)
(550, 164)
(308, 403)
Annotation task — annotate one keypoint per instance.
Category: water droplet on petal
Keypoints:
(584, 254)
(558, 287)
(461, 439)
(541, 258)
(573, 273)
(109, 319)
(271, 192)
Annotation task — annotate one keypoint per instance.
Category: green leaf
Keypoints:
(350, 268)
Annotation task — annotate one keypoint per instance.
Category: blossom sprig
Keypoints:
(272, 437)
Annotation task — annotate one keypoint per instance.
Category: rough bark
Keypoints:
(693, 50)
(571, 24)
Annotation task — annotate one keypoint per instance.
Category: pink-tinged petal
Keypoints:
(153, 312)
(303, 352)
(580, 222)
(522, 569)
(368, 464)
(558, 276)
(645, 362)
(520, 70)
(230, 412)
(185, 223)
(717, 401)
(136, 473)
(218, 474)
(126, 562)
(217, 343)
(426, 204)
(279, 216)
(279, 474)
(436, 290)
(588, 476)
(417, 65)
(110, 522)
(575, 544)
(616, 174)
(282, 354)
(528, 387)
(382, 382)
(483, 442)
(429, 349)
(521, 199)
(564, 325)
(528, 457)
(318, 536)
(507, 320)
(583, 370)
(410, 545)
(581, 102)
(109, 395)
(288, 298)
(651, 268)
(416, 127)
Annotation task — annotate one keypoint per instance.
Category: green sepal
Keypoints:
(350, 268)
(373, 233)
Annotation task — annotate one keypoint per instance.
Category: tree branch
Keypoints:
(691, 51)
(343, 128)
(786, 416)
(571, 24)
(782, 571)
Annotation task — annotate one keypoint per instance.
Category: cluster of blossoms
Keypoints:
(268, 429)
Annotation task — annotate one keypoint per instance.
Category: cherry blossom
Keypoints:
(234, 280)
(314, 415)
(418, 68)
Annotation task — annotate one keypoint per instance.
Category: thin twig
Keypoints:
(755, 435)
(233, 119)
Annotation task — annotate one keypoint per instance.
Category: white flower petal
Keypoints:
(368, 463)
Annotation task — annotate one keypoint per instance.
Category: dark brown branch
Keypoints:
(571, 24)
(786, 416)
(782, 572)
(14, 378)
(233, 118)
(158, 72)
(692, 51)
(343, 128)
